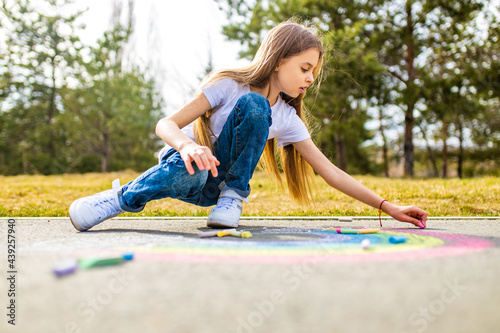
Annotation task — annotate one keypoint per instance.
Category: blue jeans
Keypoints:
(238, 149)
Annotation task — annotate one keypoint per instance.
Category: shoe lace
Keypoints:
(106, 205)
(226, 203)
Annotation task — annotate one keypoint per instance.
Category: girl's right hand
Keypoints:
(410, 214)
(201, 155)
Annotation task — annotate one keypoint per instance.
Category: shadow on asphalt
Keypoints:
(140, 231)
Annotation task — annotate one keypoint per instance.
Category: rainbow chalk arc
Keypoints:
(300, 245)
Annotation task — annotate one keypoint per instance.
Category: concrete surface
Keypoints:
(452, 293)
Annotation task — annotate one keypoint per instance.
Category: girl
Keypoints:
(215, 141)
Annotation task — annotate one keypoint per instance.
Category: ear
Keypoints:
(279, 64)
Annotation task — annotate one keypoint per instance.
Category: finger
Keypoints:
(205, 160)
(423, 218)
(189, 166)
(421, 215)
(198, 161)
(208, 158)
(408, 217)
(213, 167)
(415, 222)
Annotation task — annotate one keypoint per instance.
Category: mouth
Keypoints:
(303, 89)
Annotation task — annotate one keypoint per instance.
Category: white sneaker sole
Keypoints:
(74, 215)
(72, 212)
(220, 225)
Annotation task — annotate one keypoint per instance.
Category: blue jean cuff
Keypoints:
(243, 194)
(125, 207)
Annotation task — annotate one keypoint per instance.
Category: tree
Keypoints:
(67, 107)
(400, 33)
(114, 110)
(41, 50)
(350, 67)
(456, 68)
(406, 34)
(483, 66)
(343, 102)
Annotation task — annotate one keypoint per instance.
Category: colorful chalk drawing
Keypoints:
(297, 245)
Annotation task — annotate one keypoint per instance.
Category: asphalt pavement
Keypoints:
(293, 275)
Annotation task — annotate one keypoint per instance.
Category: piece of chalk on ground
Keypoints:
(65, 268)
(347, 231)
(241, 234)
(86, 263)
(345, 219)
(397, 239)
(368, 231)
(127, 256)
(365, 244)
(212, 233)
(225, 232)
(246, 234)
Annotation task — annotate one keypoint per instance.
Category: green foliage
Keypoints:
(352, 70)
(41, 51)
(429, 59)
(67, 107)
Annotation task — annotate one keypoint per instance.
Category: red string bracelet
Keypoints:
(380, 211)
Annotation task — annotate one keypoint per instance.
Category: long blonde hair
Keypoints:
(285, 40)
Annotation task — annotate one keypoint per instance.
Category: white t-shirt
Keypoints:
(287, 127)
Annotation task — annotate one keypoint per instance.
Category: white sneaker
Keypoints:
(90, 211)
(227, 212)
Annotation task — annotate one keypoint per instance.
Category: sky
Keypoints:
(176, 35)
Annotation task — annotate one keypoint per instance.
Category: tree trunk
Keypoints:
(410, 93)
(445, 150)
(24, 147)
(460, 149)
(384, 146)
(408, 144)
(430, 153)
(341, 153)
(52, 112)
(105, 153)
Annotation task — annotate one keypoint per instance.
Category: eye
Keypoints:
(304, 70)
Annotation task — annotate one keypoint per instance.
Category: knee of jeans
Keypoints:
(182, 179)
(200, 181)
(256, 106)
(192, 184)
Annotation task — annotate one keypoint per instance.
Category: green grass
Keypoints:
(34, 196)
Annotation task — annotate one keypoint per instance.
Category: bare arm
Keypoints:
(169, 130)
(343, 182)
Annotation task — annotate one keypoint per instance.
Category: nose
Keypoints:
(310, 78)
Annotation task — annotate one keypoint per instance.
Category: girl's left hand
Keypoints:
(410, 214)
